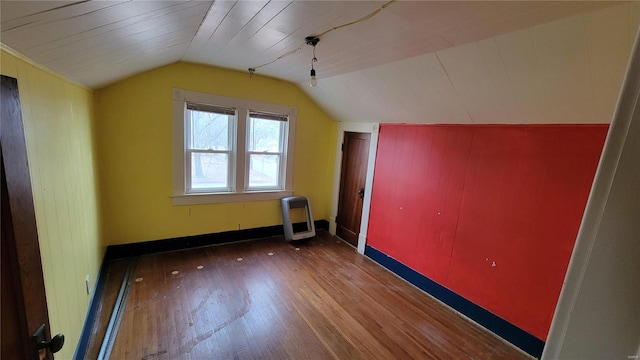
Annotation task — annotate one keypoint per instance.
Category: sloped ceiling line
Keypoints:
(453, 85)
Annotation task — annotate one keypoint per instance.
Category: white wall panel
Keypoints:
(608, 34)
(562, 58)
(504, 96)
(469, 73)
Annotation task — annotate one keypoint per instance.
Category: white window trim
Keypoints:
(231, 153)
(180, 97)
(282, 155)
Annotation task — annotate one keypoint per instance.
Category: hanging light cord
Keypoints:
(252, 70)
(314, 59)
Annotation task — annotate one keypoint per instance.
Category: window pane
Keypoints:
(264, 171)
(264, 135)
(209, 171)
(209, 131)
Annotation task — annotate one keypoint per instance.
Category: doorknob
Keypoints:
(54, 344)
(361, 193)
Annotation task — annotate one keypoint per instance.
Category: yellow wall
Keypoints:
(58, 121)
(135, 152)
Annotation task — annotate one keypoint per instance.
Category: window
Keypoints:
(228, 149)
(265, 150)
(210, 151)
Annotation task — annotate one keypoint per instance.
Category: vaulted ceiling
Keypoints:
(413, 61)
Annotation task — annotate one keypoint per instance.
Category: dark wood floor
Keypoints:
(267, 299)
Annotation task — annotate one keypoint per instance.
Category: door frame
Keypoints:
(25, 246)
(372, 129)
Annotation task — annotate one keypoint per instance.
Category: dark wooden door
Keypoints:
(355, 154)
(24, 306)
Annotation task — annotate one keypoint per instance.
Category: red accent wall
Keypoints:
(490, 212)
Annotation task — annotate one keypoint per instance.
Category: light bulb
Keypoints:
(313, 82)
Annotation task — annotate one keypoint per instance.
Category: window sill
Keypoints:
(195, 199)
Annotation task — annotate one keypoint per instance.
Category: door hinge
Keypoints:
(342, 147)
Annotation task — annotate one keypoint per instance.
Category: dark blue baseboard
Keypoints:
(94, 304)
(187, 242)
(513, 334)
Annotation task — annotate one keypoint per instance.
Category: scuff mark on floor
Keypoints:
(246, 305)
(150, 356)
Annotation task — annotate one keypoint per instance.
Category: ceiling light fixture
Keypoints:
(313, 41)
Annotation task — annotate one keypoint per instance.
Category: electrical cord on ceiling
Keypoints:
(362, 19)
(252, 70)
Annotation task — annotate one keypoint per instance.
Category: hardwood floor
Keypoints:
(268, 299)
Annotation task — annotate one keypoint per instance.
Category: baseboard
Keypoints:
(94, 304)
(511, 333)
(118, 310)
(187, 242)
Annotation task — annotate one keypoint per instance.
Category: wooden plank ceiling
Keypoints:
(97, 43)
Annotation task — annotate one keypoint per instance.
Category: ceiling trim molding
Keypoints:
(41, 67)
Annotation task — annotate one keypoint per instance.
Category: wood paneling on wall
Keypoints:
(58, 121)
(490, 212)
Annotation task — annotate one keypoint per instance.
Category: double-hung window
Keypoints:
(227, 149)
(210, 148)
(266, 135)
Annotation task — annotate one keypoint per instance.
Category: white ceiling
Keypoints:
(449, 61)
(568, 71)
